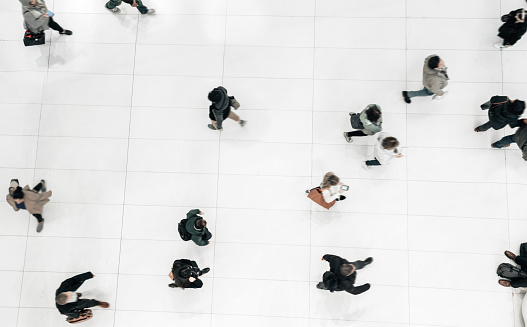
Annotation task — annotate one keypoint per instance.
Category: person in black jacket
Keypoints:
(112, 5)
(520, 260)
(520, 138)
(342, 274)
(185, 274)
(220, 109)
(502, 112)
(512, 30)
(68, 301)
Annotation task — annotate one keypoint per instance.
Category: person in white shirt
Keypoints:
(332, 188)
(384, 151)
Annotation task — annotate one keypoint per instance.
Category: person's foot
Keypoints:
(115, 10)
(341, 198)
(476, 130)
(79, 294)
(499, 45)
(105, 305)
(504, 282)
(348, 138)
(406, 97)
(212, 127)
(368, 260)
(40, 226)
(43, 188)
(510, 255)
(365, 166)
(66, 32)
(172, 285)
(320, 286)
(494, 147)
(151, 12)
(243, 122)
(204, 271)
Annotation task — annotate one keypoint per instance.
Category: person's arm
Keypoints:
(328, 197)
(73, 283)
(198, 239)
(196, 283)
(35, 23)
(193, 213)
(329, 257)
(435, 87)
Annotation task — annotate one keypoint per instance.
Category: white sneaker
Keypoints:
(151, 12)
(348, 138)
(365, 166)
(500, 45)
(115, 10)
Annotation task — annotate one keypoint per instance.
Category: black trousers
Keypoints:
(522, 261)
(54, 26)
(356, 133)
(37, 188)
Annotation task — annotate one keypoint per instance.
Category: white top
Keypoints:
(384, 156)
(331, 194)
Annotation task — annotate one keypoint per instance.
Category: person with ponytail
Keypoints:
(32, 200)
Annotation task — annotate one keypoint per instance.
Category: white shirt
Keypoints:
(331, 194)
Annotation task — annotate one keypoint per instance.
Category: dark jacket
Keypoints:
(191, 269)
(74, 309)
(521, 138)
(219, 107)
(199, 236)
(334, 281)
(499, 115)
(511, 31)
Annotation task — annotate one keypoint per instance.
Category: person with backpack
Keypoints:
(368, 122)
(502, 112)
(342, 274)
(112, 6)
(185, 274)
(515, 25)
(516, 277)
(435, 80)
(220, 109)
(384, 151)
(32, 200)
(194, 228)
(37, 17)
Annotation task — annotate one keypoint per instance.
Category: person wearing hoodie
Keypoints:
(113, 6)
(515, 25)
(502, 112)
(37, 17)
(185, 274)
(368, 122)
(220, 109)
(435, 79)
(384, 151)
(31, 200)
(197, 227)
(520, 138)
(342, 274)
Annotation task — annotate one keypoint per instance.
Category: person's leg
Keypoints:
(373, 162)
(522, 261)
(421, 93)
(321, 286)
(504, 141)
(484, 127)
(54, 26)
(113, 3)
(39, 217)
(141, 7)
(359, 264)
(519, 283)
(234, 116)
(359, 289)
(356, 133)
(37, 187)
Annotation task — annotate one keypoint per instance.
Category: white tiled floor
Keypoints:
(114, 118)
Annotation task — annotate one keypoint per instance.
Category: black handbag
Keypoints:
(31, 39)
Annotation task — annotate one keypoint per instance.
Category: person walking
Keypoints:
(512, 30)
(342, 275)
(502, 112)
(220, 109)
(112, 6)
(69, 302)
(520, 260)
(368, 122)
(31, 200)
(520, 138)
(197, 227)
(384, 151)
(37, 17)
(435, 80)
(185, 274)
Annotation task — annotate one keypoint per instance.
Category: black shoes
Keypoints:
(204, 271)
(66, 32)
(43, 188)
(368, 260)
(341, 198)
(172, 285)
(406, 97)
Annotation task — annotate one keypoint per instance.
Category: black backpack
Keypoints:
(183, 232)
(506, 270)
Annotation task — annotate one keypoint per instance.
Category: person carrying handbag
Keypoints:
(328, 192)
(37, 17)
(220, 109)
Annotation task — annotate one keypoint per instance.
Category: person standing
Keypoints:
(112, 6)
(368, 122)
(435, 79)
(30, 200)
(384, 151)
(197, 227)
(37, 17)
(520, 138)
(185, 274)
(502, 112)
(342, 275)
(220, 109)
(69, 302)
(512, 30)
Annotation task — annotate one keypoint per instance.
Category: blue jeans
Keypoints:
(505, 141)
(421, 93)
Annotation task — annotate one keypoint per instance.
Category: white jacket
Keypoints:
(384, 156)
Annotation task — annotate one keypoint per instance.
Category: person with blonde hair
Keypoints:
(332, 188)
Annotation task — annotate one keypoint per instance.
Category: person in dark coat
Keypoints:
(519, 260)
(185, 274)
(197, 227)
(512, 30)
(502, 112)
(342, 274)
(520, 138)
(68, 301)
(220, 109)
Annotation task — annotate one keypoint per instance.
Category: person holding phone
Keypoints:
(332, 188)
(37, 17)
(385, 150)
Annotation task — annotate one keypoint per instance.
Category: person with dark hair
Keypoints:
(520, 138)
(69, 302)
(502, 112)
(197, 227)
(368, 122)
(384, 151)
(37, 17)
(220, 109)
(515, 25)
(30, 200)
(519, 260)
(435, 80)
(342, 274)
(112, 6)
(185, 274)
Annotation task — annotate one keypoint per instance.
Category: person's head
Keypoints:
(520, 17)
(185, 272)
(63, 298)
(436, 63)
(390, 143)
(201, 223)
(330, 179)
(517, 107)
(373, 114)
(214, 96)
(347, 269)
(18, 195)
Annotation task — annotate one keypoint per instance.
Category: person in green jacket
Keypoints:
(197, 227)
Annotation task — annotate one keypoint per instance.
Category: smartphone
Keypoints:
(344, 187)
(50, 14)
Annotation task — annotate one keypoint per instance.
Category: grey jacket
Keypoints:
(433, 79)
(34, 19)
(369, 127)
(521, 138)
